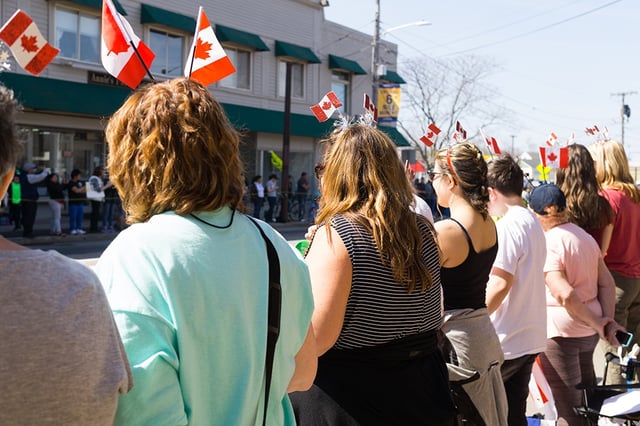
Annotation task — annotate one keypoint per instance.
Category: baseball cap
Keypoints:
(547, 195)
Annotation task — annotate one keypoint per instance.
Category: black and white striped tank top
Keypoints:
(379, 309)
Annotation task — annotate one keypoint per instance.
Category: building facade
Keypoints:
(65, 108)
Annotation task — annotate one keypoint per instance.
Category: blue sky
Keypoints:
(558, 61)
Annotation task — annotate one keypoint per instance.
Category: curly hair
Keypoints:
(585, 206)
(612, 168)
(364, 180)
(9, 146)
(466, 165)
(172, 148)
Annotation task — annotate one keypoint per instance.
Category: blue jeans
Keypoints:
(76, 215)
(107, 214)
(257, 206)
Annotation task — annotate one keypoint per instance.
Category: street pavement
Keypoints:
(292, 231)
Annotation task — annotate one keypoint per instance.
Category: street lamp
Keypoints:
(375, 46)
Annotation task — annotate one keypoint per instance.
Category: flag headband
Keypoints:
(344, 122)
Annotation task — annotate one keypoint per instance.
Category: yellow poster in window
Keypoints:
(388, 103)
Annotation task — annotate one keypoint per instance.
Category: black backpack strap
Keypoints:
(273, 312)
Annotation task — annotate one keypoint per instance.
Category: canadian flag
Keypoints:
(552, 139)
(555, 156)
(460, 134)
(369, 106)
(493, 145)
(429, 137)
(324, 109)
(540, 392)
(207, 61)
(122, 53)
(30, 49)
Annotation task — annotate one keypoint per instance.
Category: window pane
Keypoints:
(243, 69)
(174, 56)
(340, 89)
(297, 79)
(231, 80)
(158, 44)
(89, 33)
(66, 33)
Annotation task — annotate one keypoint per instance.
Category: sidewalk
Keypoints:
(42, 226)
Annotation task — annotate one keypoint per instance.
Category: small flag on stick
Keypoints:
(555, 156)
(324, 109)
(28, 46)
(460, 134)
(123, 54)
(552, 139)
(429, 138)
(207, 61)
(370, 107)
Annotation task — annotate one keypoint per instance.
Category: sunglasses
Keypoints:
(433, 174)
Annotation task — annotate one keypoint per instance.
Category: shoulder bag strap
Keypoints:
(273, 313)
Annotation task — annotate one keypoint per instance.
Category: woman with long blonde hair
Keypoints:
(374, 268)
(622, 256)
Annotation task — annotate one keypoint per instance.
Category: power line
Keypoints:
(571, 18)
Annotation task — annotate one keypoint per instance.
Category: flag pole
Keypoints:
(195, 42)
(485, 142)
(135, 49)
(193, 57)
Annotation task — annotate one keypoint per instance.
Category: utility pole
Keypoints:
(622, 111)
(513, 138)
(375, 56)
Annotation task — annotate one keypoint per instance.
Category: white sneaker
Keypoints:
(74, 232)
(81, 232)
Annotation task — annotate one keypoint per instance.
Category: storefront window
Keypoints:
(63, 150)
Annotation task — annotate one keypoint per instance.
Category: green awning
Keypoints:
(395, 136)
(155, 15)
(336, 62)
(93, 100)
(242, 38)
(297, 52)
(60, 96)
(97, 4)
(393, 77)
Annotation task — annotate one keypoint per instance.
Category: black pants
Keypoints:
(515, 375)
(95, 216)
(29, 209)
(14, 215)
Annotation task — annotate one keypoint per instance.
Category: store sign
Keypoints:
(103, 79)
(388, 103)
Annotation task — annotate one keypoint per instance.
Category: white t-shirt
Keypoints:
(521, 319)
(422, 208)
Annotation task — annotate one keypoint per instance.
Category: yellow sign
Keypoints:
(276, 161)
(388, 103)
(544, 171)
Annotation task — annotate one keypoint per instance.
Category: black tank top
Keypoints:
(465, 285)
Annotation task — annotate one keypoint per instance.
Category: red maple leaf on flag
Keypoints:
(202, 49)
(29, 43)
(327, 105)
(552, 156)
